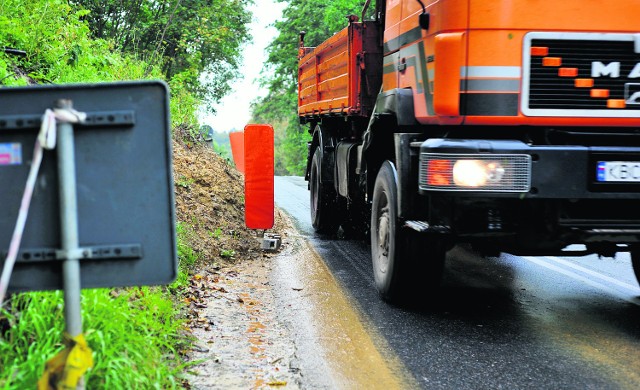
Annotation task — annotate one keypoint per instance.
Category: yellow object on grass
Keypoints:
(63, 371)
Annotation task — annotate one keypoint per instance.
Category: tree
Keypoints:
(319, 19)
(196, 40)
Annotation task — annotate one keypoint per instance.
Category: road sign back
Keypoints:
(124, 185)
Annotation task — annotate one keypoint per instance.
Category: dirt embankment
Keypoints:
(240, 343)
(210, 205)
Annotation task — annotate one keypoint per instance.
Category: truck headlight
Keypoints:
(473, 172)
(477, 173)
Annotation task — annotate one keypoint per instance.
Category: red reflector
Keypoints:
(551, 61)
(616, 103)
(568, 72)
(258, 176)
(584, 83)
(539, 51)
(599, 93)
(439, 172)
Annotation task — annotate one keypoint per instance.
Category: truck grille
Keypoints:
(581, 75)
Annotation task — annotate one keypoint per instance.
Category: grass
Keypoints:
(135, 334)
(216, 233)
(183, 182)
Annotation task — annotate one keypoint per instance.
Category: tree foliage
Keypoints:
(56, 45)
(319, 19)
(198, 40)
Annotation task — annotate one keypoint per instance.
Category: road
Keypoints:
(499, 323)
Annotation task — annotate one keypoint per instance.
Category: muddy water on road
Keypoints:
(335, 347)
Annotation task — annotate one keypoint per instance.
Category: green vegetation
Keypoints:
(227, 253)
(136, 334)
(57, 46)
(219, 141)
(184, 182)
(195, 41)
(222, 145)
(319, 19)
(216, 233)
(194, 46)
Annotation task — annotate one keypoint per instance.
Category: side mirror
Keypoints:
(424, 20)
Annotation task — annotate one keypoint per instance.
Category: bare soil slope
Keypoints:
(210, 199)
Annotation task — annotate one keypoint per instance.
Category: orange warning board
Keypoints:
(237, 149)
(258, 176)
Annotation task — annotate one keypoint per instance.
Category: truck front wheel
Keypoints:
(322, 199)
(405, 265)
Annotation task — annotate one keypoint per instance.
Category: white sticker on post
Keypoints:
(10, 154)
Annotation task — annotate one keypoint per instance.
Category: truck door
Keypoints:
(418, 57)
(414, 58)
(391, 46)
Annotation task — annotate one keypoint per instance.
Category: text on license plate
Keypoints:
(625, 171)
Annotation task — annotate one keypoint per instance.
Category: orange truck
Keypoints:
(506, 125)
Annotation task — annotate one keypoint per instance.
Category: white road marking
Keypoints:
(546, 263)
(630, 287)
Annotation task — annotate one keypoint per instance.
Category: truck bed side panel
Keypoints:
(333, 79)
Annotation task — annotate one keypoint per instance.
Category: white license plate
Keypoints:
(620, 171)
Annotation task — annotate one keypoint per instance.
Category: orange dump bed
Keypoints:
(343, 74)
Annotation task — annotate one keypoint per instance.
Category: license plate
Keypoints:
(618, 171)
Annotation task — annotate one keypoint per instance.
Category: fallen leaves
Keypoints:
(238, 325)
(202, 287)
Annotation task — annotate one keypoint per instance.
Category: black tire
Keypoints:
(322, 199)
(635, 262)
(405, 265)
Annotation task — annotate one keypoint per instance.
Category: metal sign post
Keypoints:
(69, 223)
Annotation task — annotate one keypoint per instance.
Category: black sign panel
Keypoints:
(126, 216)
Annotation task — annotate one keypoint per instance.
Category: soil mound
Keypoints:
(210, 205)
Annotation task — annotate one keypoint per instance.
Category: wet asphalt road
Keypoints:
(499, 323)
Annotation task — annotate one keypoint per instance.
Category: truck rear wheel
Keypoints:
(405, 265)
(322, 199)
